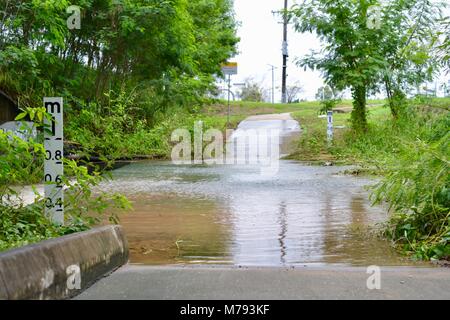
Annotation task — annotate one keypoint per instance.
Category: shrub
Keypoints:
(20, 224)
(417, 189)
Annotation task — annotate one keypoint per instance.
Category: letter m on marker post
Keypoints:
(52, 106)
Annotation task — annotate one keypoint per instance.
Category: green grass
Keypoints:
(436, 103)
(312, 145)
(240, 109)
(101, 134)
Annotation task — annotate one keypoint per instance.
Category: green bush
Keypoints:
(412, 154)
(417, 189)
(113, 131)
(20, 224)
(328, 105)
(23, 225)
(20, 161)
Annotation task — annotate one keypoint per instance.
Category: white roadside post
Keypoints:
(53, 164)
(330, 126)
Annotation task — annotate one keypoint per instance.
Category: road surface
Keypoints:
(255, 283)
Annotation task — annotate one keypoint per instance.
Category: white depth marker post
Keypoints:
(330, 126)
(53, 164)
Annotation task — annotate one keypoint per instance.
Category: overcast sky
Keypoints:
(261, 34)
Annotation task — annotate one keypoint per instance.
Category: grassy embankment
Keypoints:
(366, 151)
(312, 145)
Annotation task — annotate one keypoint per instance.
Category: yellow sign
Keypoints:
(230, 68)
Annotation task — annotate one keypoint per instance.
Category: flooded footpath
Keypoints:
(233, 215)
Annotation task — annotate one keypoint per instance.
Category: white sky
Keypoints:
(261, 34)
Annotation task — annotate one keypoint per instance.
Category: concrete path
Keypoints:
(272, 116)
(25, 195)
(199, 283)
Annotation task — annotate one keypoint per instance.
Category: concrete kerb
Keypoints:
(47, 270)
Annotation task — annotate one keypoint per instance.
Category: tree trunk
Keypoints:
(396, 98)
(389, 93)
(359, 119)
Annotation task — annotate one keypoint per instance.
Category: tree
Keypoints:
(446, 88)
(328, 98)
(215, 35)
(361, 57)
(347, 58)
(252, 91)
(444, 46)
(293, 92)
(326, 93)
(165, 52)
(408, 32)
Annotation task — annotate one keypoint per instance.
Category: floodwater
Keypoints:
(233, 214)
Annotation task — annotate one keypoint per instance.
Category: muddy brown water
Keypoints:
(230, 214)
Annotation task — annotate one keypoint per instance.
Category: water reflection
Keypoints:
(283, 231)
(169, 228)
(233, 215)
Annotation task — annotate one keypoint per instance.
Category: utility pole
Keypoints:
(285, 53)
(273, 83)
